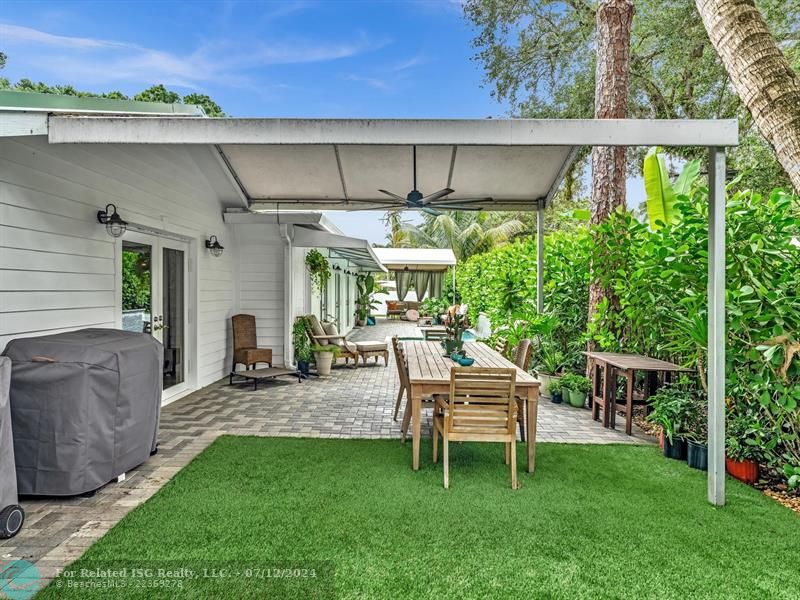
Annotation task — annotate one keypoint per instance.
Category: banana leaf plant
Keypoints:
(661, 191)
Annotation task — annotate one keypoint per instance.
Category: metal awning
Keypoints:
(340, 164)
(416, 259)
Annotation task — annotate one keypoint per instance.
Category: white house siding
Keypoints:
(58, 267)
(261, 283)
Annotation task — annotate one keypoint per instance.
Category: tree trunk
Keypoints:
(614, 20)
(761, 74)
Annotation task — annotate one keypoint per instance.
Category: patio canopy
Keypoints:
(340, 164)
(416, 259)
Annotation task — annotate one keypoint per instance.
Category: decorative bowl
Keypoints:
(466, 361)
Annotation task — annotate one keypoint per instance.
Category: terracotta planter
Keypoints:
(324, 361)
(745, 471)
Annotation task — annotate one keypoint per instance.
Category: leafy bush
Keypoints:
(576, 383)
(674, 409)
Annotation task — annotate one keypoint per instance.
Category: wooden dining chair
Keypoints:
(480, 408)
(435, 335)
(245, 344)
(522, 358)
(501, 345)
(405, 387)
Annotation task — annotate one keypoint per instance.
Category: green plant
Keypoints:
(302, 346)
(135, 280)
(660, 191)
(433, 307)
(365, 286)
(576, 383)
(556, 385)
(318, 268)
(550, 359)
(674, 409)
(792, 475)
(332, 348)
(745, 436)
(456, 328)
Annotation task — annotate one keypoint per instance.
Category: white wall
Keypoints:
(58, 266)
(261, 283)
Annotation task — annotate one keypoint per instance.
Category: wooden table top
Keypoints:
(428, 364)
(635, 362)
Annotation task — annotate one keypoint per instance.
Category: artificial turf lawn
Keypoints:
(593, 522)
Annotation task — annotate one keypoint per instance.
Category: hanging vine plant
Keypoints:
(318, 269)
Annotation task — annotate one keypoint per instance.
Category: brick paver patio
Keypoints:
(351, 403)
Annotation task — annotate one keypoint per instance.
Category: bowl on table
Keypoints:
(466, 361)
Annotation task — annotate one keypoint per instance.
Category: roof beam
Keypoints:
(484, 132)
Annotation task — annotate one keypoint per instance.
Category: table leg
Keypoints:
(612, 398)
(416, 423)
(532, 408)
(629, 403)
(607, 402)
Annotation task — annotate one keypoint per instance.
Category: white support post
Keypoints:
(540, 257)
(716, 326)
(454, 285)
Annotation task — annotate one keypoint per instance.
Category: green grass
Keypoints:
(594, 522)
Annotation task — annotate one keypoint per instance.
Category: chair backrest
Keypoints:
(244, 331)
(314, 326)
(436, 334)
(400, 360)
(501, 345)
(481, 401)
(522, 354)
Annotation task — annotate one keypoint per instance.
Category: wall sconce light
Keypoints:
(109, 217)
(214, 246)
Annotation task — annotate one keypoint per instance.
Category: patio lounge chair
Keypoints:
(480, 408)
(245, 345)
(327, 334)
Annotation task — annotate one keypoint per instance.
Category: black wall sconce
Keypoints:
(214, 246)
(109, 217)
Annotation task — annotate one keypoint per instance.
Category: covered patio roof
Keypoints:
(416, 259)
(340, 164)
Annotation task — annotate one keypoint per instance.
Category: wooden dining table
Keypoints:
(429, 373)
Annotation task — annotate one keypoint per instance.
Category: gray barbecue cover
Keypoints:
(8, 479)
(84, 407)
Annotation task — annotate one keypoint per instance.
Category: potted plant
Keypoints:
(742, 447)
(697, 436)
(575, 388)
(323, 357)
(318, 269)
(551, 362)
(672, 408)
(302, 347)
(556, 396)
(455, 331)
(365, 286)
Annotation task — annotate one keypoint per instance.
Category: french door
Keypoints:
(154, 300)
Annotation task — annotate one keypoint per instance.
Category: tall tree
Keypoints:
(614, 21)
(761, 74)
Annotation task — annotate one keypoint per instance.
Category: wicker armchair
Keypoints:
(245, 346)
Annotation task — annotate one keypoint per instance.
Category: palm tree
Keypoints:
(466, 232)
(397, 234)
(761, 74)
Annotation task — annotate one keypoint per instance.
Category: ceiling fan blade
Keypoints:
(436, 195)
(430, 211)
(383, 207)
(393, 195)
(454, 207)
(447, 201)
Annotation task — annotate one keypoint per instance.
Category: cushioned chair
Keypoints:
(245, 347)
(327, 334)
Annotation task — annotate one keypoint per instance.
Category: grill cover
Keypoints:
(84, 406)
(8, 479)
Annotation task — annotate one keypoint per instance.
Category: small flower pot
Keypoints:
(556, 397)
(577, 399)
(324, 361)
(697, 455)
(303, 367)
(676, 449)
(745, 471)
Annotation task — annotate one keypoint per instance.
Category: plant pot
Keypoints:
(556, 397)
(577, 399)
(697, 455)
(361, 322)
(745, 471)
(303, 367)
(545, 381)
(324, 361)
(450, 346)
(676, 449)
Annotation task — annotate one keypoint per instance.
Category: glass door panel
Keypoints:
(137, 286)
(171, 319)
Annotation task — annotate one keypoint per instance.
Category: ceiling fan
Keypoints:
(432, 203)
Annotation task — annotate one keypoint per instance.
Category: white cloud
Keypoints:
(374, 82)
(80, 60)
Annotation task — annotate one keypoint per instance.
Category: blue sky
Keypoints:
(269, 59)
